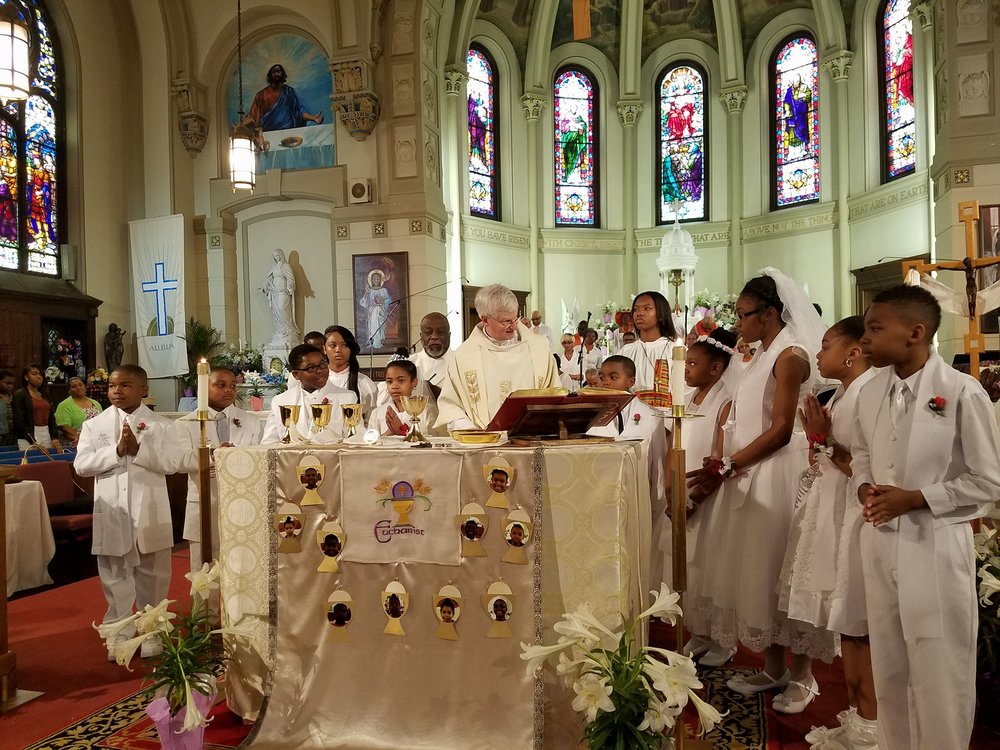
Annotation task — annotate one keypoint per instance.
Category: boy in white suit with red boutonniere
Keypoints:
(130, 451)
(916, 547)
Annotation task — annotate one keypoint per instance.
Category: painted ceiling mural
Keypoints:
(666, 20)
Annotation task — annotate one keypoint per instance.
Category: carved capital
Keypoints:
(628, 112)
(454, 81)
(358, 112)
(351, 77)
(189, 97)
(839, 65)
(734, 99)
(924, 13)
(532, 105)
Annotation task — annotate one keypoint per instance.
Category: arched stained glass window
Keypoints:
(30, 226)
(899, 137)
(682, 143)
(576, 148)
(484, 195)
(795, 81)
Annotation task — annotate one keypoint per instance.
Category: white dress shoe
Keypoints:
(717, 656)
(742, 685)
(786, 705)
(152, 646)
(697, 645)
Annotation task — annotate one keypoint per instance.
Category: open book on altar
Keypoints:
(557, 414)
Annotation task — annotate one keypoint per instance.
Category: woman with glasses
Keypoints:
(745, 532)
(501, 356)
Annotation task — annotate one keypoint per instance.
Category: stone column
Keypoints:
(628, 113)
(532, 105)
(923, 13)
(839, 67)
(456, 189)
(734, 98)
(215, 274)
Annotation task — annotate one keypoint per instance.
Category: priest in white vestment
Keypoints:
(501, 356)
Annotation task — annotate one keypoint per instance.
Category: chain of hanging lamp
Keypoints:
(241, 144)
(239, 49)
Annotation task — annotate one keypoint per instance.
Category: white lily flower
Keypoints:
(708, 715)
(571, 668)
(536, 655)
(125, 650)
(204, 581)
(673, 680)
(665, 605)
(581, 625)
(984, 543)
(155, 619)
(593, 694)
(110, 631)
(659, 716)
(989, 584)
(193, 717)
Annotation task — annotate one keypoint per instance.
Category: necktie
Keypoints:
(621, 424)
(897, 403)
(222, 428)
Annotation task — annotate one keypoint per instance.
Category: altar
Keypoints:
(386, 591)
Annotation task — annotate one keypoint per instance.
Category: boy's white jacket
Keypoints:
(131, 507)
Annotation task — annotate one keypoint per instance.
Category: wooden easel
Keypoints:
(973, 341)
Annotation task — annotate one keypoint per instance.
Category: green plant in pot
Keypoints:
(201, 340)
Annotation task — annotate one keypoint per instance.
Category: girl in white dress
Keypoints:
(746, 531)
(654, 324)
(821, 578)
(345, 370)
(389, 417)
(707, 359)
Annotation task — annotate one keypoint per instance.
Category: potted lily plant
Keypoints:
(185, 671)
(987, 544)
(630, 695)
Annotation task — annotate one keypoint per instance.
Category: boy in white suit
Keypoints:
(921, 424)
(228, 425)
(128, 448)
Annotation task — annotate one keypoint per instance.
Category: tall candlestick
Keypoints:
(677, 385)
(203, 370)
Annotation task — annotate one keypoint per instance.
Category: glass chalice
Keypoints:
(414, 406)
(352, 418)
(321, 415)
(289, 414)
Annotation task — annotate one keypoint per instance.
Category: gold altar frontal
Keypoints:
(354, 653)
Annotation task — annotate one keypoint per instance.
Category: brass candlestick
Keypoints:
(352, 418)
(414, 406)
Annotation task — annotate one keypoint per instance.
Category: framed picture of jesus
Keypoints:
(381, 310)
(989, 246)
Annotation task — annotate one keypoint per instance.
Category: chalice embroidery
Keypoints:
(403, 496)
(352, 418)
(414, 406)
(289, 414)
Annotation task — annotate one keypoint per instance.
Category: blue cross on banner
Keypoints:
(159, 287)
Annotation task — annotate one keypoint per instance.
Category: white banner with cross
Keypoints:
(157, 247)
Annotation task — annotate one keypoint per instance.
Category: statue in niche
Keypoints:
(279, 288)
(114, 348)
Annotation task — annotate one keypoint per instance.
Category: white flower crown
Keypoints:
(714, 342)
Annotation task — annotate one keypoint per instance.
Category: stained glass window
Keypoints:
(795, 77)
(898, 113)
(575, 148)
(482, 89)
(30, 226)
(682, 143)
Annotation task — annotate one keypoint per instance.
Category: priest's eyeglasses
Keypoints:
(315, 369)
(505, 323)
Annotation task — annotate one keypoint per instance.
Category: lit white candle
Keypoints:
(203, 371)
(677, 385)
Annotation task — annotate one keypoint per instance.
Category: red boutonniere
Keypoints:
(936, 405)
(236, 422)
(326, 400)
(636, 418)
(404, 429)
(142, 427)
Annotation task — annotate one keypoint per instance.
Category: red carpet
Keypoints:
(60, 654)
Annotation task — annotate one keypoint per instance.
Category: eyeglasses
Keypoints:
(748, 313)
(505, 323)
(315, 369)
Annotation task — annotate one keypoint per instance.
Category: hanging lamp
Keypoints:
(242, 159)
(15, 69)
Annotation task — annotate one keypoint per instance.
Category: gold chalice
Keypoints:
(321, 415)
(352, 417)
(414, 406)
(289, 414)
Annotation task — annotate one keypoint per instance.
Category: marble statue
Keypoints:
(279, 289)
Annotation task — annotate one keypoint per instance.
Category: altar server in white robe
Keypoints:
(926, 461)
(655, 325)
(708, 358)
(501, 356)
(342, 351)
(128, 448)
(227, 425)
(309, 366)
(638, 422)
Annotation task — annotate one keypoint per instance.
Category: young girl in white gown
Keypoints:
(821, 578)
(708, 356)
(742, 546)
